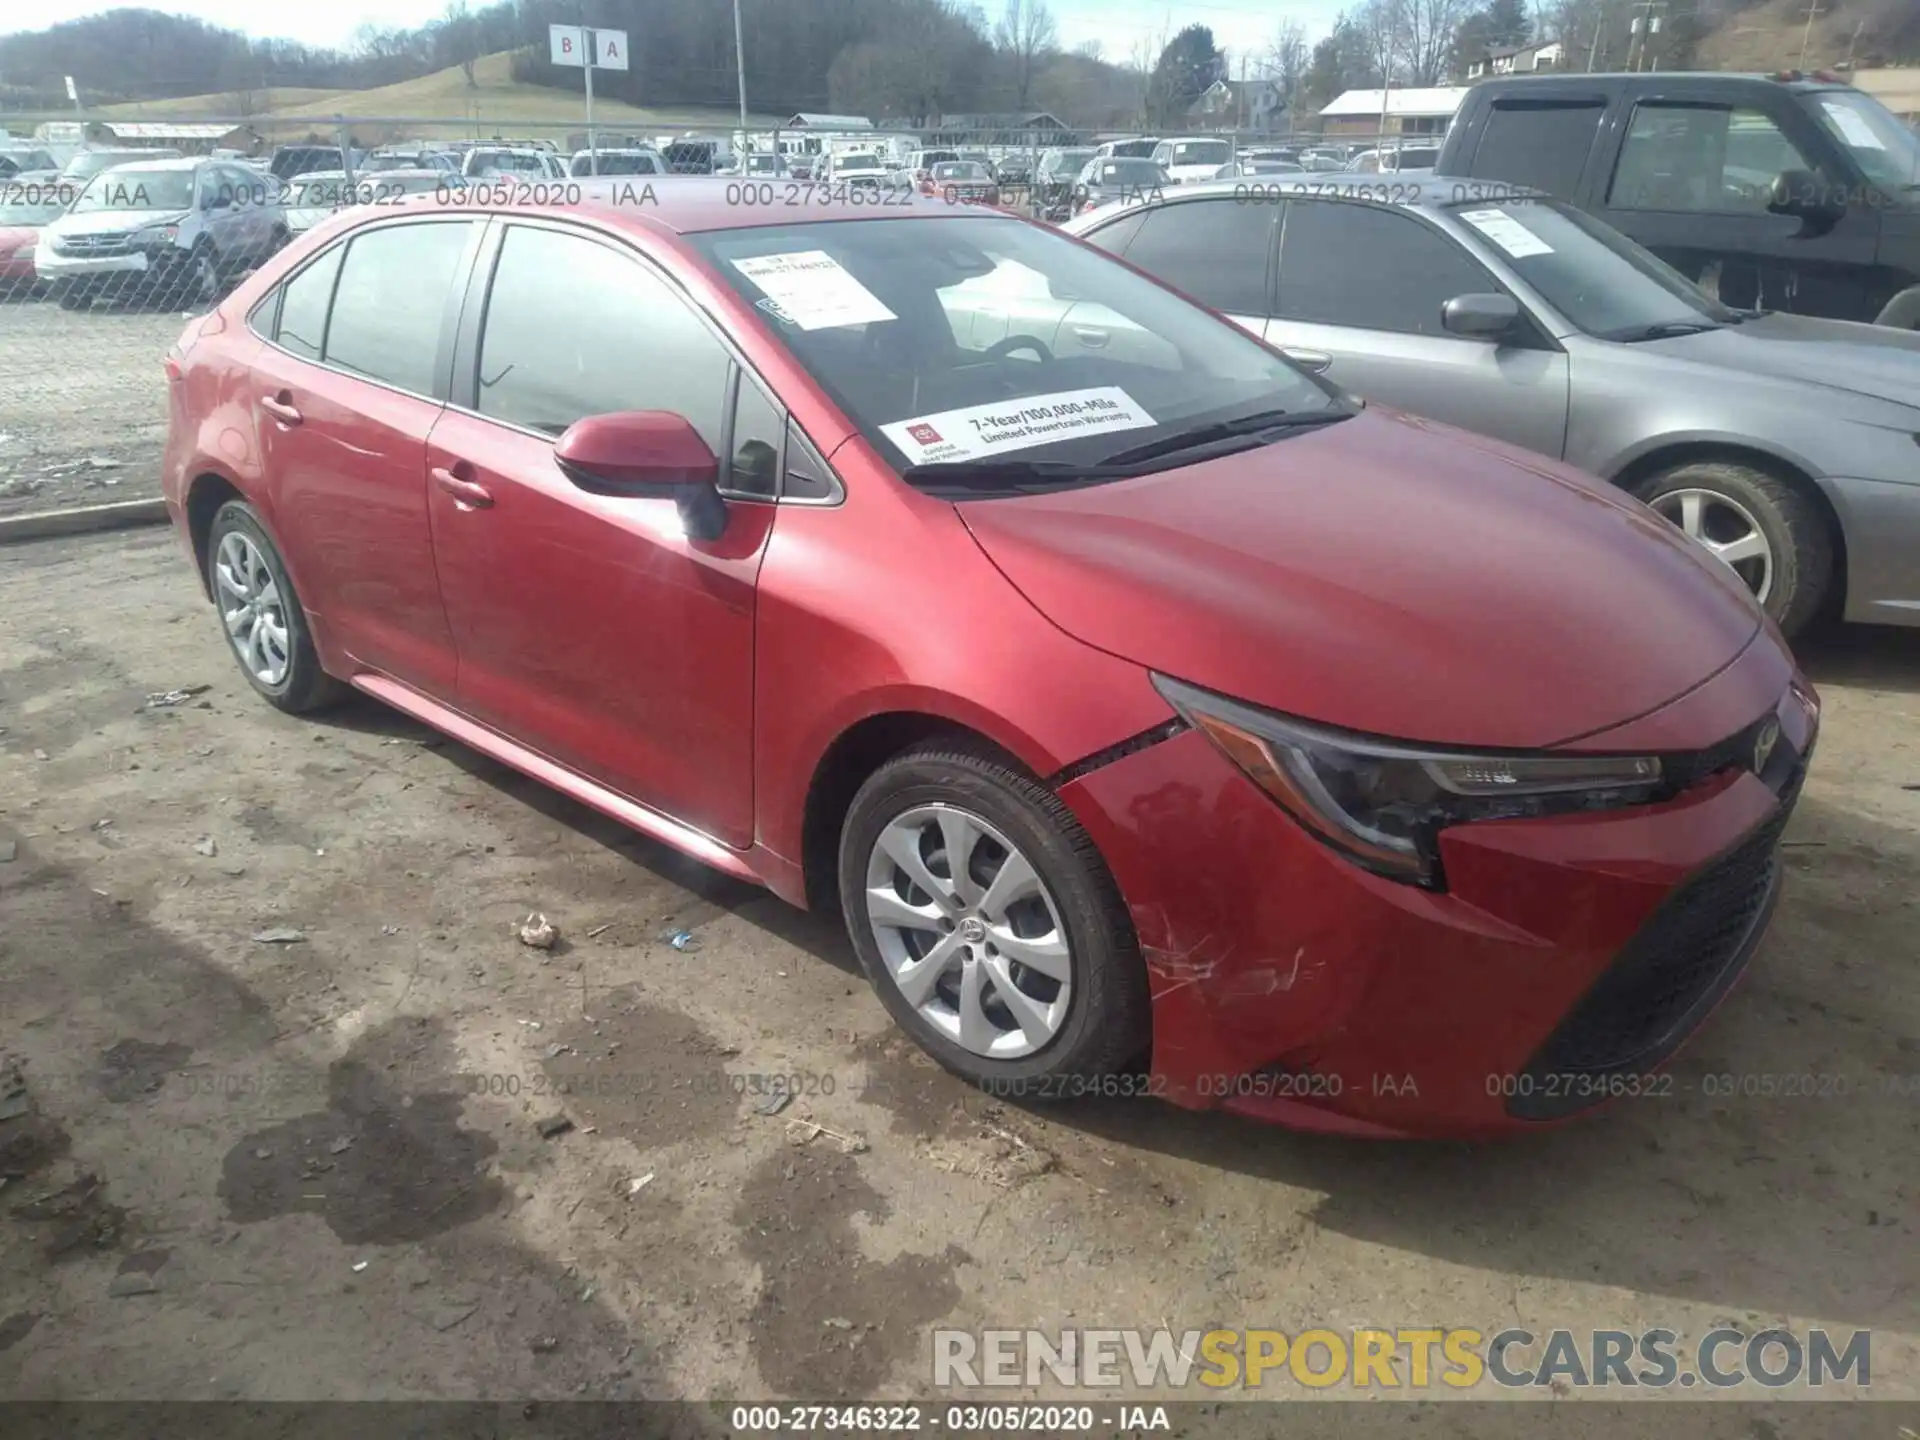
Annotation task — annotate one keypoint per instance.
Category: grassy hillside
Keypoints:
(1769, 35)
(493, 103)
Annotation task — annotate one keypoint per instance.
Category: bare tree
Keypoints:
(1090, 49)
(1025, 34)
(462, 37)
(1287, 61)
(1424, 41)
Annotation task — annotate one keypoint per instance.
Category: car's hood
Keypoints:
(1386, 575)
(1186, 173)
(113, 222)
(1874, 360)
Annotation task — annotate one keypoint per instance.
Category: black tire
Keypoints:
(73, 297)
(1789, 517)
(305, 686)
(1107, 1028)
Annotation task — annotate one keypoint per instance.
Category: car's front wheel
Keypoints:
(989, 925)
(1769, 530)
(266, 627)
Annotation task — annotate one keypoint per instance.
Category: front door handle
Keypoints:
(1092, 337)
(468, 494)
(1315, 361)
(281, 407)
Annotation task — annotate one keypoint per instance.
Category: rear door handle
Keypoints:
(1092, 338)
(1316, 361)
(281, 408)
(469, 494)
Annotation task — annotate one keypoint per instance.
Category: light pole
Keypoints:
(740, 69)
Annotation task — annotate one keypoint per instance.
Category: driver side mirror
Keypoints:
(1480, 317)
(1807, 198)
(646, 454)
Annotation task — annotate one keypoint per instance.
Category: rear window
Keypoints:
(390, 302)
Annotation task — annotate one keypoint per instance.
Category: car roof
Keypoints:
(1387, 190)
(694, 204)
(1668, 79)
(173, 162)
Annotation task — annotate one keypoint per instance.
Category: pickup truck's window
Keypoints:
(1542, 144)
(1887, 150)
(1412, 269)
(1701, 158)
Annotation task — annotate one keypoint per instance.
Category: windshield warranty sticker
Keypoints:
(1506, 232)
(1015, 424)
(813, 290)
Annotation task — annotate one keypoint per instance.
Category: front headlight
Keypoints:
(157, 235)
(1382, 804)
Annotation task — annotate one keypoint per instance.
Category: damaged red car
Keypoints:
(1162, 720)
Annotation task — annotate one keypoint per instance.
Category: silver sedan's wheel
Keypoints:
(1729, 531)
(968, 932)
(253, 609)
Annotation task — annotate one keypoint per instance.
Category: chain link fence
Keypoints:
(114, 232)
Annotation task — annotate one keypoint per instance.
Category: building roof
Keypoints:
(1031, 120)
(807, 120)
(1400, 103)
(145, 130)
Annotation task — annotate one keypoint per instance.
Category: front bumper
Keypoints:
(1567, 959)
(62, 267)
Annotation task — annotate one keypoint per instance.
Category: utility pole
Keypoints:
(1639, 28)
(1854, 41)
(740, 70)
(1593, 46)
(1814, 7)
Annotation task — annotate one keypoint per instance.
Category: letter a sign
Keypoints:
(609, 49)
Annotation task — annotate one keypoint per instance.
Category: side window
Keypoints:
(303, 306)
(391, 300)
(759, 427)
(1541, 144)
(1412, 269)
(574, 327)
(1114, 238)
(1214, 250)
(1700, 158)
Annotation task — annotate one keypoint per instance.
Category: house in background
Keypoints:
(1257, 105)
(1417, 111)
(1031, 128)
(837, 123)
(1519, 60)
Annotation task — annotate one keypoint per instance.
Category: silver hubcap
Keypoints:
(1729, 532)
(252, 607)
(969, 933)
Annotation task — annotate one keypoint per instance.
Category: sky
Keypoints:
(1238, 25)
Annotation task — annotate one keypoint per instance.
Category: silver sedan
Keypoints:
(1786, 445)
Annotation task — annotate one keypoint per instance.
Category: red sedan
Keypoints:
(26, 208)
(1162, 720)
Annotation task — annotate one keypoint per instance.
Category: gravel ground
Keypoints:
(314, 1167)
(83, 404)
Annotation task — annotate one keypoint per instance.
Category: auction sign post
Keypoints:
(591, 50)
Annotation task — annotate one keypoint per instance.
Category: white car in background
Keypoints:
(630, 160)
(1197, 159)
(319, 194)
(495, 162)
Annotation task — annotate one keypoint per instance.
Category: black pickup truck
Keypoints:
(1784, 192)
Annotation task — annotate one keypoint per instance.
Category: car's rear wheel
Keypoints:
(266, 627)
(989, 925)
(1769, 530)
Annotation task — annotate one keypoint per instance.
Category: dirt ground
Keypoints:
(83, 403)
(240, 1164)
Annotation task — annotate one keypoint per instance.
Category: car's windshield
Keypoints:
(1596, 277)
(763, 165)
(89, 163)
(135, 189)
(615, 163)
(507, 162)
(857, 162)
(1065, 162)
(33, 203)
(376, 163)
(1126, 171)
(961, 170)
(1139, 149)
(949, 339)
(1201, 152)
(1881, 145)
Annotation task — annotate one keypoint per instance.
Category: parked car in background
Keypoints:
(178, 231)
(1055, 177)
(1014, 169)
(1125, 180)
(1141, 147)
(1196, 159)
(1133, 798)
(636, 161)
(1257, 165)
(698, 155)
(963, 182)
(1326, 159)
(1791, 192)
(291, 160)
(921, 162)
(1783, 444)
(16, 160)
(314, 197)
(27, 208)
(86, 164)
(493, 162)
(386, 159)
(866, 171)
(766, 165)
(1395, 159)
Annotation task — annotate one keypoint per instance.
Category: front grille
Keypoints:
(93, 245)
(1666, 978)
